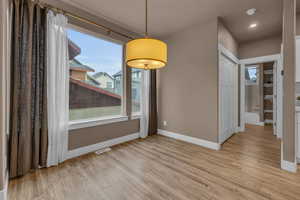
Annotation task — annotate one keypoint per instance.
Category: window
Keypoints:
(136, 90)
(96, 86)
(109, 85)
(251, 75)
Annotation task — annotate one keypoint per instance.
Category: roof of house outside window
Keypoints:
(74, 50)
(95, 89)
(78, 66)
(98, 74)
(92, 81)
(120, 72)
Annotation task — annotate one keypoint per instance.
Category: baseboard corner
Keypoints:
(289, 166)
(3, 192)
(189, 139)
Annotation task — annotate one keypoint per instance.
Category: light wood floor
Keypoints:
(247, 167)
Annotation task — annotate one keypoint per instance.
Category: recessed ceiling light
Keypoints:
(253, 25)
(251, 11)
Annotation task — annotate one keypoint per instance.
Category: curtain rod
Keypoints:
(108, 30)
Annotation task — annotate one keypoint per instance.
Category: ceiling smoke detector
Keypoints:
(251, 11)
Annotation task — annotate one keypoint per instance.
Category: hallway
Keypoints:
(257, 143)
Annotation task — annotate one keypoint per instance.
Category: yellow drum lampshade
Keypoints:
(146, 53)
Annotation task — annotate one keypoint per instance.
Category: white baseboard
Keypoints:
(3, 193)
(256, 123)
(260, 123)
(289, 166)
(239, 129)
(91, 148)
(197, 141)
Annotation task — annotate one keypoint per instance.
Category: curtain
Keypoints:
(144, 120)
(58, 87)
(148, 121)
(28, 124)
(152, 125)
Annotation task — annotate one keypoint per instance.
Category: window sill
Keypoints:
(136, 116)
(78, 124)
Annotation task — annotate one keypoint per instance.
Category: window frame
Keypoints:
(249, 82)
(137, 115)
(91, 122)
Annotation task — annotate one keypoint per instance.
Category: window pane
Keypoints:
(136, 76)
(95, 76)
(251, 75)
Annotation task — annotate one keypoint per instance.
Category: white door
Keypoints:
(228, 98)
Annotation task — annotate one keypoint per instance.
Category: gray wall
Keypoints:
(289, 63)
(88, 136)
(226, 38)
(263, 47)
(188, 85)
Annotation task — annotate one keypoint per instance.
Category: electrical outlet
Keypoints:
(165, 123)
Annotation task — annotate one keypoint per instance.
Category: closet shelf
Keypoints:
(268, 111)
(269, 97)
(268, 72)
(268, 85)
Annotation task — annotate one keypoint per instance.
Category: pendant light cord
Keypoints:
(146, 18)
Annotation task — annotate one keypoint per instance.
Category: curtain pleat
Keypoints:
(152, 129)
(28, 128)
(57, 88)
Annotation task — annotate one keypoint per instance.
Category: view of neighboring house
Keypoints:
(79, 71)
(90, 94)
(136, 77)
(118, 82)
(105, 80)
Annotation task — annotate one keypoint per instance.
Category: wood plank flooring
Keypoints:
(160, 168)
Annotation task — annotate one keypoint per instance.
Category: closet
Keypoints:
(228, 97)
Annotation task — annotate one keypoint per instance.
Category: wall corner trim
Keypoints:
(228, 53)
(94, 147)
(289, 166)
(193, 140)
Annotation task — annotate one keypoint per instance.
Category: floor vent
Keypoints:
(101, 151)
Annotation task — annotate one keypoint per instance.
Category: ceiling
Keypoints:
(169, 16)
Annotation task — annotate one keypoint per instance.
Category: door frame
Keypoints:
(222, 51)
(277, 58)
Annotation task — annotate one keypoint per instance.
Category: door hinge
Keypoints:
(282, 72)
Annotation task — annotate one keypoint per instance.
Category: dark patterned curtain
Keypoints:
(152, 129)
(28, 128)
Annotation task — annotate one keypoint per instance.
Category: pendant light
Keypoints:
(146, 53)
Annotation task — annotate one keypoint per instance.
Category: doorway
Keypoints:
(260, 94)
